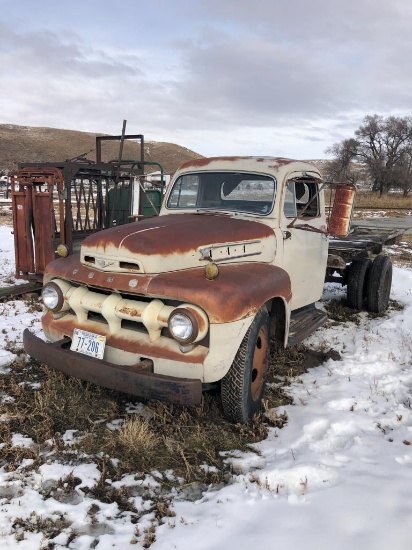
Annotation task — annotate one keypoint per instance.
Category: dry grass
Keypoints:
(407, 239)
(183, 448)
(50, 527)
(372, 200)
(137, 436)
(389, 201)
(339, 312)
(43, 404)
(401, 253)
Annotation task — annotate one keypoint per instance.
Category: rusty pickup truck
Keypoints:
(177, 304)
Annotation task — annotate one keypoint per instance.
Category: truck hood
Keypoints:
(178, 241)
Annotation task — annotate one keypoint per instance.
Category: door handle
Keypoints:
(287, 235)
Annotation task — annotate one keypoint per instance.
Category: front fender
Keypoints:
(239, 291)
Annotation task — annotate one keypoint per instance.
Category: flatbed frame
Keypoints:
(363, 242)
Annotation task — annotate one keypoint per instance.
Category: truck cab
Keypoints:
(276, 198)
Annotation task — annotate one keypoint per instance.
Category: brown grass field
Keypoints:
(390, 201)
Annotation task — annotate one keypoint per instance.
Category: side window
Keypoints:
(301, 199)
(289, 207)
(185, 191)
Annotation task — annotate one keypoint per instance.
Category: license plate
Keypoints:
(88, 343)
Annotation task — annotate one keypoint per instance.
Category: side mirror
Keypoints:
(341, 212)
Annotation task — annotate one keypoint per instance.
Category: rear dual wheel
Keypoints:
(379, 284)
(369, 284)
(357, 283)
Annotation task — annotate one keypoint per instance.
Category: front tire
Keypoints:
(242, 387)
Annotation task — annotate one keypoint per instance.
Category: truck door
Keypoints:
(305, 243)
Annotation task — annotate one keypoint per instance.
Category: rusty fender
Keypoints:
(238, 292)
(137, 380)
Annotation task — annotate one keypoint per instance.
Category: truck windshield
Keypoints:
(230, 191)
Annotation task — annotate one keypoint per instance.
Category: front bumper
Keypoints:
(134, 380)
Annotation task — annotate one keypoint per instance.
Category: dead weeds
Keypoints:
(388, 201)
(339, 312)
(165, 447)
(50, 526)
(42, 404)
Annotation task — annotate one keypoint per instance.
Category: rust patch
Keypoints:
(339, 221)
(129, 311)
(200, 163)
(136, 380)
(272, 162)
(72, 270)
(281, 161)
(238, 291)
(201, 322)
(176, 233)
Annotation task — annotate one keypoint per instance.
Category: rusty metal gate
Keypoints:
(62, 203)
(36, 225)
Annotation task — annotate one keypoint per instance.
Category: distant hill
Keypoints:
(35, 144)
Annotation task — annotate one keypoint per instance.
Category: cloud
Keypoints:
(232, 73)
(323, 59)
(46, 53)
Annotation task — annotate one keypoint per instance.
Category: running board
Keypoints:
(303, 322)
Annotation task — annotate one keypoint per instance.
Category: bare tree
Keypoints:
(403, 174)
(341, 167)
(383, 147)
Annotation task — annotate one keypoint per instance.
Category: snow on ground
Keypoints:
(338, 475)
(6, 256)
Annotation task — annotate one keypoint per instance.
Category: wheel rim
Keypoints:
(260, 362)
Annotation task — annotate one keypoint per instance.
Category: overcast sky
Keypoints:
(272, 77)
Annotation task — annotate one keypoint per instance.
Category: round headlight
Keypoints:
(183, 326)
(52, 297)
